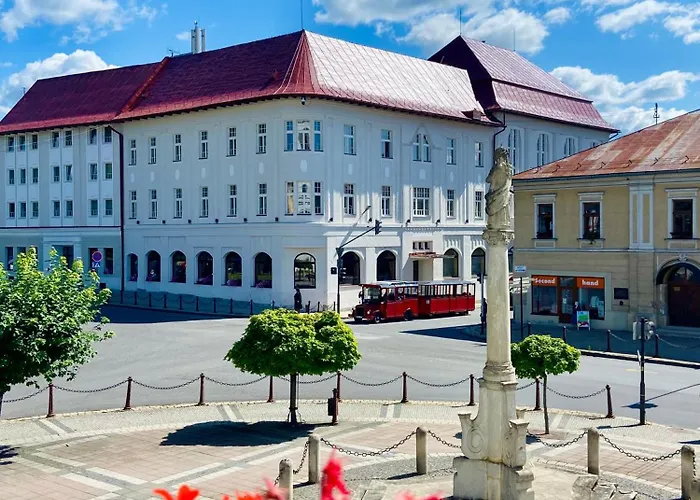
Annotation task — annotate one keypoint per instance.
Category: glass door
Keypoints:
(567, 298)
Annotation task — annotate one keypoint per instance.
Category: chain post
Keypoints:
(593, 451)
(214, 305)
(136, 297)
(337, 385)
(656, 345)
(471, 390)
(150, 301)
(318, 306)
(609, 336)
(230, 306)
(421, 451)
(127, 403)
(201, 390)
(687, 470)
(273, 304)
(180, 296)
(334, 421)
(563, 334)
(538, 407)
(404, 396)
(251, 307)
(529, 328)
(271, 394)
(286, 476)
(314, 444)
(610, 407)
(165, 300)
(50, 413)
(196, 303)
(121, 296)
(308, 307)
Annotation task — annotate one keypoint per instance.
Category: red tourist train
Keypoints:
(386, 300)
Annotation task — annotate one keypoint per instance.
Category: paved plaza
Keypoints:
(221, 448)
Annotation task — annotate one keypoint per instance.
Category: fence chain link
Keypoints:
(442, 441)
(167, 388)
(365, 454)
(303, 458)
(236, 384)
(557, 445)
(620, 338)
(24, 398)
(87, 391)
(307, 382)
(678, 346)
(640, 457)
(525, 386)
(367, 384)
(576, 397)
(451, 384)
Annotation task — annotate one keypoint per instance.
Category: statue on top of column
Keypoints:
(498, 198)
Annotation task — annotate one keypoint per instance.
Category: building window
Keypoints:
(177, 147)
(451, 156)
(35, 210)
(545, 221)
(152, 152)
(262, 138)
(289, 135)
(35, 142)
(289, 208)
(55, 136)
(22, 143)
(57, 208)
(349, 139)
(132, 205)
(682, 219)
(304, 198)
(107, 135)
(515, 148)
(11, 177)
(450, 203)
(68, 173)
(11, 207)
(570, 146)
(426, 148)
(10, 257)
(591, 220)
(178, 203)
(304, 271)
(178, 271)
(109, 261)
(92, 136)
(232, 201)
(23, 209)
(542, 149)
(421, 148)
(232, 142)
(450, 264)
(93, 172)
(68, 138)
(204, 206)
(69, 208)
(203, 145)
(544, 295)
(57, 173)
(132, 152)
(263, 271)
(386, 201)
(421, 202)
(387, 147)
(318, 137)
(153, 266)
(108, 171)
(304, 135)
(205, 269)
(478, 205)
(349, 199)
(22, 175)
(35, 175)
(234, 269)
(262, 199)
(153, 197)
(10, 144)
(109, 208)
(94, 208)
(318, 201)
(133, 261)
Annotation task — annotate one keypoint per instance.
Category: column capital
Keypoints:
(498, 237)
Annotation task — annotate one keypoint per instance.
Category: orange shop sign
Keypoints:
(544, 280)
(590, 283)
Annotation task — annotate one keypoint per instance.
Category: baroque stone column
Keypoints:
(493, 442)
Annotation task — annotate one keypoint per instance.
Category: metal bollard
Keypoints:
(150, 302)
(287, 477)
(421, 451)
(610, 408)
(127, 403)
(337, 385)
(201, 390)
(230, 307)
(181, 302)
(404, 395)
(214, 305)
(687, 470)
(607, 347)
(165, 300)
(251, 307)
(537, 394)
(50, 413)
(334, 420)
(271, 395)
(308, 307)
(196, 303)
(471, 390)
(273, 304)
(136, 297)
(529, 328)
(314, 459)
(563, 335)
(593, 451)
(318, 306)
(656, 345)
(121, 296)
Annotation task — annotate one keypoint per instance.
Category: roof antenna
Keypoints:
(656, 114)
(24, 90)
(460, 21)
(513, 40)
(301, 12)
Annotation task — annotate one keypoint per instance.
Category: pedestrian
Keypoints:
(574, 317)
(297, 299)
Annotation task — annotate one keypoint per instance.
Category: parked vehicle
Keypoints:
(446, 297)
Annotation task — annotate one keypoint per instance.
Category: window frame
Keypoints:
(35, 175)
(133, 157)
(349, 140)
(450, 204)
(95, 171)
(178, 203)
(544, 153)
(232, 210)
(55, 139)
(203, 136)
(682, 194)
(152, 204)
(261, 210)
(108, 172)
(303, 137)
(421, 196)
(318, 198)
(584, 198)
(56, 171)
(204, 202)
(387, 146)
(22, 210)
(152, 150)
(289, 135)
(10, 143)
(349, 200)
(478, 154)
(133, 204)
(309, 284)
(34, 144)
(11, 177)
(94, 213)
(261, 136)
(107, 135)
(109, 207)
(451, 151)
(318, 136)
(35, 213)
(515, 151)
(177, 148)
(68, 213)
(68, 173)
(92, 136)
(232, 142)
(545, 199)
(22, 176)
(570, 139)
(386, 202)
(21, 143)
(11, 210)
(478, 203)
(68, 138)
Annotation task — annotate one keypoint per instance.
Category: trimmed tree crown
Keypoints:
(542, 355)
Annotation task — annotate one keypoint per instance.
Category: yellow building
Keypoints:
(613, 231)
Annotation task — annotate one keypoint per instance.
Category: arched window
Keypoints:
(263, 271)
(153, 266)
(450, 264)
(205, 269)
(350, 274)
(234, 269)
(478, 262)
(304, 271)
(134, 267)
(386, 266)
(179, 267)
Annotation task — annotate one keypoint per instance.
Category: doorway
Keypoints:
(567, 298)
(683, 294)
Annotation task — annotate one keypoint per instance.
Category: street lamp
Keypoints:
(643, 329)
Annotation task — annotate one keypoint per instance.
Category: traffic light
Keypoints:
(377, 226)
(342, 272)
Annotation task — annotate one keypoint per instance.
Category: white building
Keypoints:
(242, 169)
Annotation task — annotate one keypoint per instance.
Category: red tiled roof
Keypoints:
(299, 63)
(670, 146)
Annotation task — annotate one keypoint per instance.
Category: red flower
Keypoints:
(184, 493)
(273, 492)
(409, 496)
(333, 480)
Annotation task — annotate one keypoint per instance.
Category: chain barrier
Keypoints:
(365, 454)
(678, 346)
(167, 388)
(452, 384)
(442, 441)
(302, 382)
(640, 457)
(367, 384)
(236, 384)
(87, 391)
(619, 338)
(525, 386)
(557, 445)
(24, 398)
(576, 397)
(303, 458)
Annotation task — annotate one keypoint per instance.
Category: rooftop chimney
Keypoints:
(198, 39)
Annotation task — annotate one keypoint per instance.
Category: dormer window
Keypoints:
(570, 146)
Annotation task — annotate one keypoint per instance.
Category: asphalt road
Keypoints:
(165, 349)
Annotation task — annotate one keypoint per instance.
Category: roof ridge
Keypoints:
(581, 98)
(300, 64)
(139, 92)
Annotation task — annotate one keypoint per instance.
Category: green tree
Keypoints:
(281, 342)
(540, 356)
(43, 317)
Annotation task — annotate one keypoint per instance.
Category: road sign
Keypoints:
(520, 269)
(334, 270)
(96, 256)
(95, 265)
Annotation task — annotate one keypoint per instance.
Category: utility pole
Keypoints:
(339, 252)
(642, 386)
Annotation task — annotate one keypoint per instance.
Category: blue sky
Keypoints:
(626, 55)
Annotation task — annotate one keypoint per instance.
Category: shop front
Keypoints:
(562, 297)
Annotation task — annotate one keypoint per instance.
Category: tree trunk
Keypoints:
(544, 401)
(293, 399)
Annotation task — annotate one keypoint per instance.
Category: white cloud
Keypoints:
(184, 36)
(634, 118)
(558, 15)
(354, 12)
(58, 64)
(92, 19)
(638, 13)
(6, 64)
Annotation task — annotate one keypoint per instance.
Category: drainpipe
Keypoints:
(121, 203)
(503, 127)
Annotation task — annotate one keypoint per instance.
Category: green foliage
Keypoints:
(283, 342)
(42, 320)
(542, 355)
